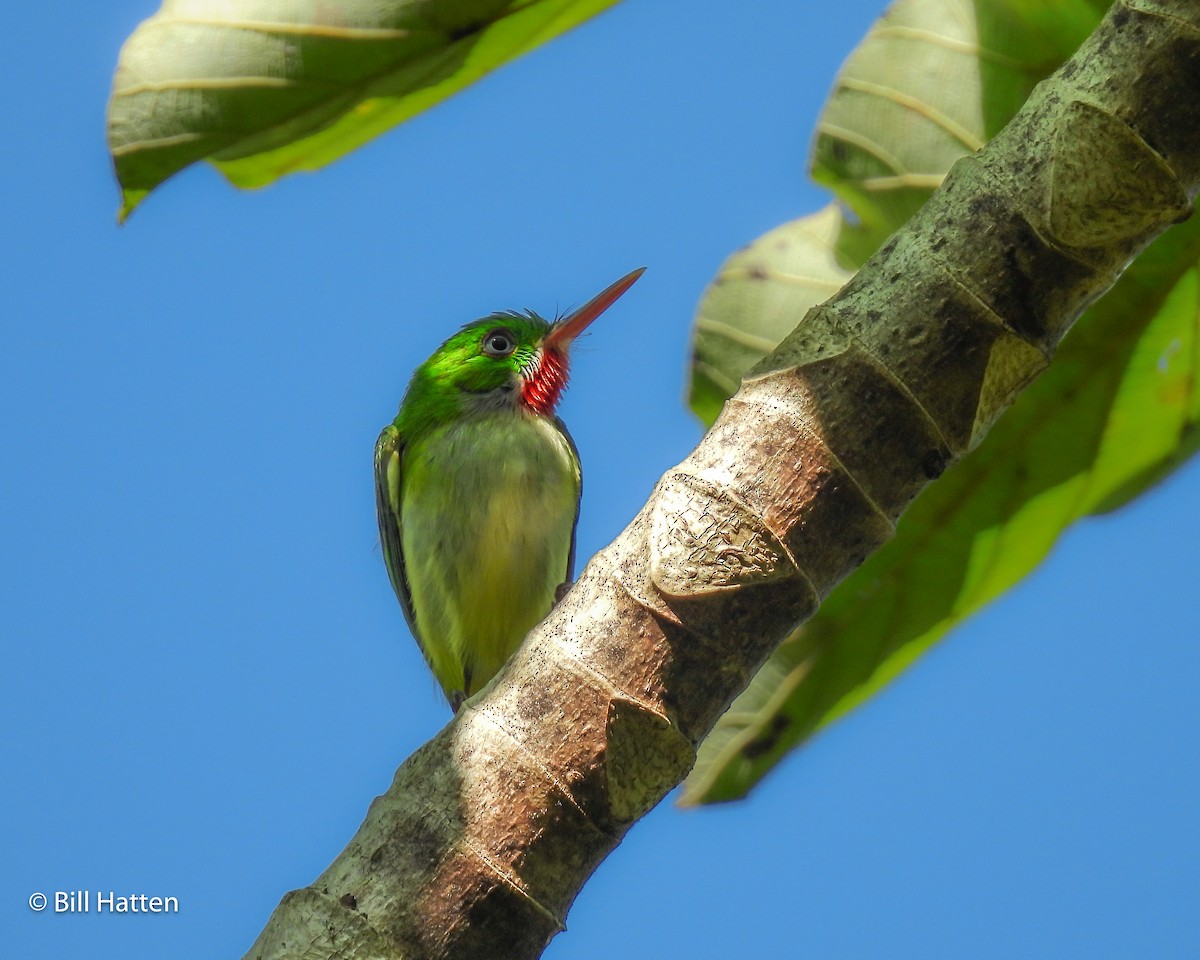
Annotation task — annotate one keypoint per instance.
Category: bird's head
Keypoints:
(505, 360)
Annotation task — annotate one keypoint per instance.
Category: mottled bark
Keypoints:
(489, 830)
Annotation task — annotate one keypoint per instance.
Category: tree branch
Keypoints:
(489, 830)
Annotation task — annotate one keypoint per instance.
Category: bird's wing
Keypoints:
(388, 496)
(562, 428)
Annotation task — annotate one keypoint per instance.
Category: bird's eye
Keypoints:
(499, 343)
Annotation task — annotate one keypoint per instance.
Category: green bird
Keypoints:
(477, 487)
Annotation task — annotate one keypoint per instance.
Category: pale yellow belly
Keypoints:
(488, 514)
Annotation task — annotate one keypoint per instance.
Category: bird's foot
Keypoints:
(456, 700)
(561, 590)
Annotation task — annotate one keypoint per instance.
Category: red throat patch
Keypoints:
(541, 390)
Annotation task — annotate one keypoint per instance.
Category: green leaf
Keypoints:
(754, 301)
(933, 80)
(1116, 411)
(263, 88)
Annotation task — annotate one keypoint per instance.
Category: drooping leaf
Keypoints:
(932, 80)
(263, 88)
(1117, 409)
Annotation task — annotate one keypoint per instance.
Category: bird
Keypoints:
(477, 489)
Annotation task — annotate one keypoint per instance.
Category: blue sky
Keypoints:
(205, 676)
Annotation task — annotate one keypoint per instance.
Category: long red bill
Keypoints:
(572, 325)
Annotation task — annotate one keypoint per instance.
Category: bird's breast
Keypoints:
(488, 513)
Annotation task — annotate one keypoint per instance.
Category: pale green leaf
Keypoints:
(932, 80)
(754, 300)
